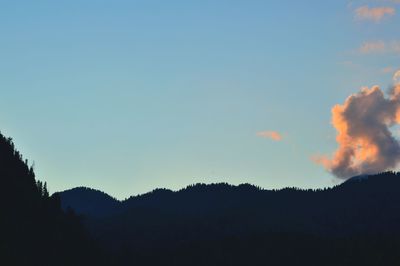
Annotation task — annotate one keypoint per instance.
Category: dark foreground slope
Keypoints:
(34, 229)
(356, 223)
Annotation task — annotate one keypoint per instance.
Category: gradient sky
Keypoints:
(127, 96)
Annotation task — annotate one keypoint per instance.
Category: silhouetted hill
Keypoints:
(355, 213)
(34, 229)
(90, 202)
(358, 178)
(344, 209)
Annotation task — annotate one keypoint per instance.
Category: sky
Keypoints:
(128, 96)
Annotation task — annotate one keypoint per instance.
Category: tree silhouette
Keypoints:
(35, 230)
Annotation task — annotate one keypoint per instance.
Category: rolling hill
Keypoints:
(214, 216)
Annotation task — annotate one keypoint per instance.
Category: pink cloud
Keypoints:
(274, 135)
(375, 14)
(365, 142)
(387, 70)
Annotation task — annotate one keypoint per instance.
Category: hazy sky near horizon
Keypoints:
(127, 96)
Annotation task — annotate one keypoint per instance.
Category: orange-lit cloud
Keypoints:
(375, 14)
(276, 136)
(396, 77)
(366, 144)
(387, 70)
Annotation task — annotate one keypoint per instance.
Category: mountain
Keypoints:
(89, 202)
(211, 218)
(341, 210)
(358, 178)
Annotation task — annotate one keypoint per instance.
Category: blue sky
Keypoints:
(127, 96)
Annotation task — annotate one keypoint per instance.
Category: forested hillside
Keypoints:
(355, 223)
(34, 229)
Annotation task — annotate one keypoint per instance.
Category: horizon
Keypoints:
(126, 97)
(191, 185)
(133, 194)
(360, 177)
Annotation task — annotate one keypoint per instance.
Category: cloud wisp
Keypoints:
(274, 135)
(387, 70)
(375, 14)
(372, 47)
(366, 144)
(379, 47)
(396, 77)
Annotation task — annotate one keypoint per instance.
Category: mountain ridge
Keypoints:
(165, 222)
(86, 193)
(306, 206)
